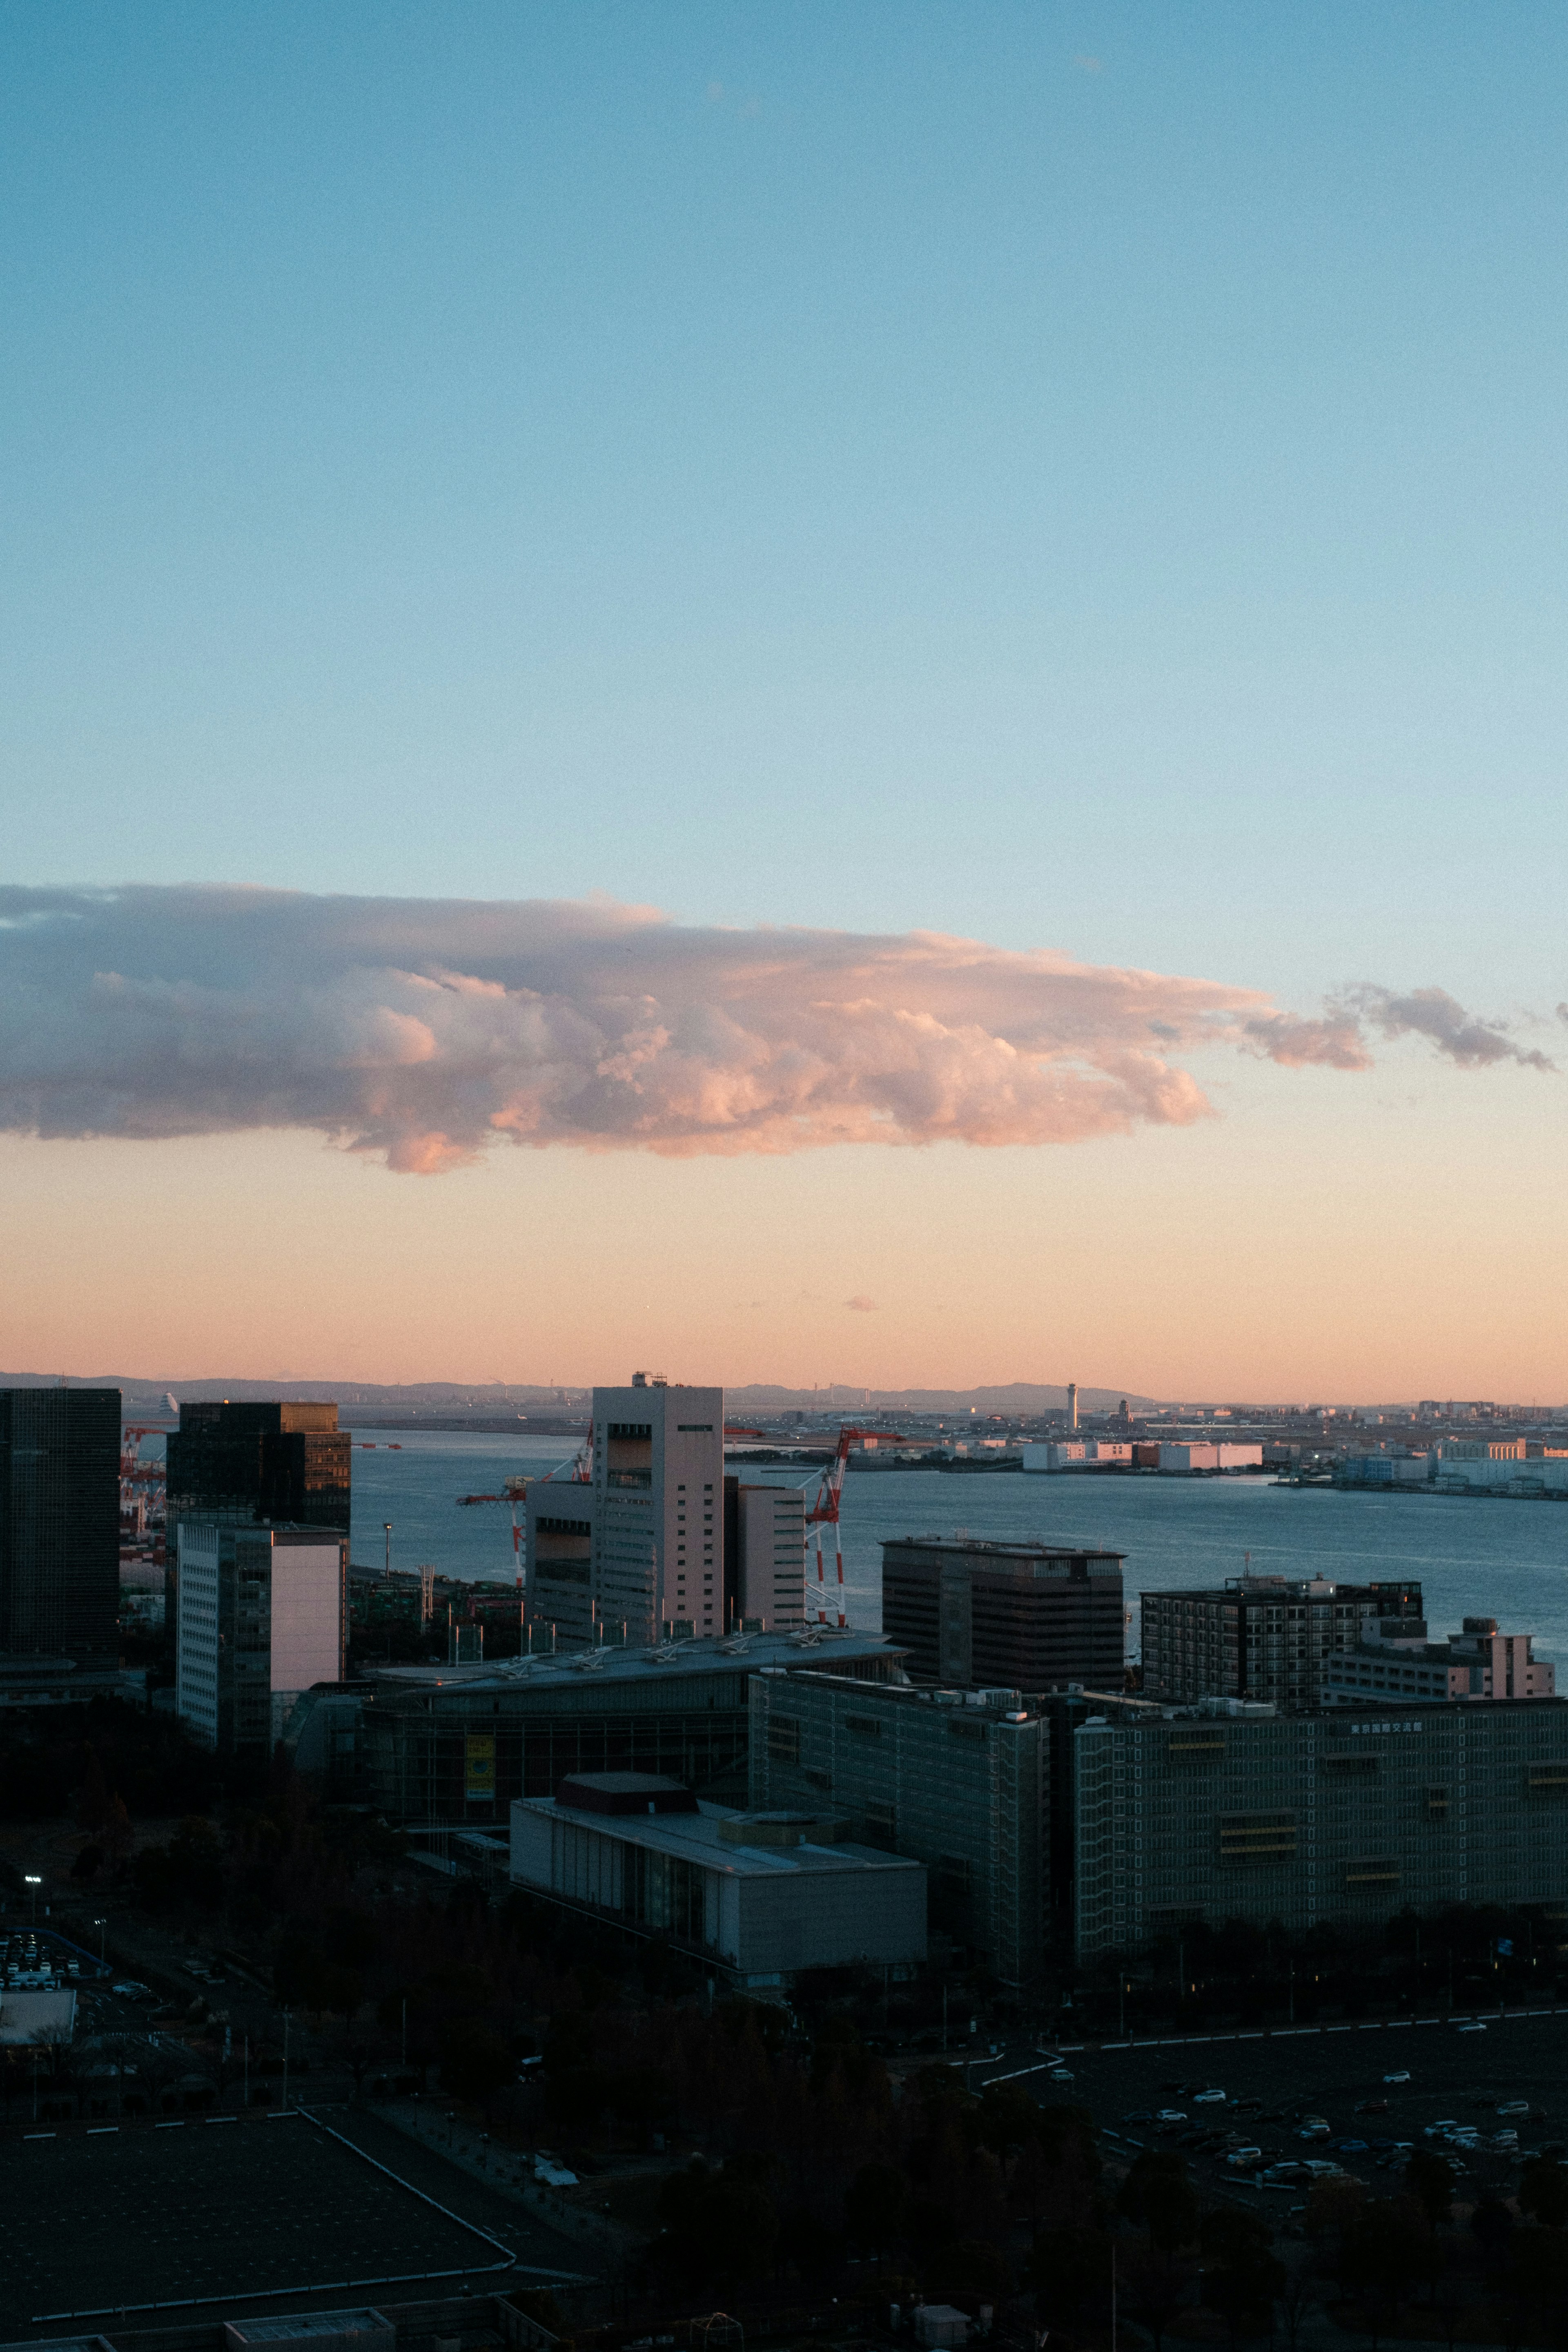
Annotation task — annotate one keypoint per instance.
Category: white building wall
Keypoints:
(307, 1613)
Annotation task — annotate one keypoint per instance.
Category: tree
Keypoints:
(1543, 2190)
(1492, 2224)
(92, 1797)
(1241, 2277)
(719, 2225)
(1069, 2270)
(1009, 2119)
(1431, 2183)
(475, 2061)
(877, 2208)
(1158, 2195)
(1157, 2284)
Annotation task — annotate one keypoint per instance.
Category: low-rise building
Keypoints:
(957, 1781)
(1224, 1811)
(759, 1895)
(454, 1744)
(1080, 1454)
(1400, 1470)
(1204, 1455)
(1395, 1661)
(1261, 1637)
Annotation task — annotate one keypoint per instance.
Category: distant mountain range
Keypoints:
(496, 1397)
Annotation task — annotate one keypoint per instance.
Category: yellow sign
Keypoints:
(479, 1764)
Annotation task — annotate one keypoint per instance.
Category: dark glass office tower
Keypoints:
(59, 1524)
(254, 1464)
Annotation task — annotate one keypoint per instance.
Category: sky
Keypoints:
(665, 524)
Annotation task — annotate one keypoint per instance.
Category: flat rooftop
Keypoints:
(714, 1835)
(726, 1655)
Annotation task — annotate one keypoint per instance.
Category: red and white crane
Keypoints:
(822, 1511)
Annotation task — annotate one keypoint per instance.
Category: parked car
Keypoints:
(1314, 2128)
(1208, 2098)
(1400, 2074)
(1170, 2115)
(1474, 2026)
(1373, 2108)
(1515, 2107)
(1244, 2159)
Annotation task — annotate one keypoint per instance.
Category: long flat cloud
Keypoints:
(425, 1029)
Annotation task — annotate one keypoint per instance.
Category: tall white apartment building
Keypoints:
(658, 1538)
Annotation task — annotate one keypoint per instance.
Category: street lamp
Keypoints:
(32, 1880)
(102, 1927)
(386, 1526)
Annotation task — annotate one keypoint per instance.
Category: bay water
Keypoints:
(1474, 1558)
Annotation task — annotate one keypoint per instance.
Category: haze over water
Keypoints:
(1500, 1559)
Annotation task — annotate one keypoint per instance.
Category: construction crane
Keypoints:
(133, 1471)
(822, 1511)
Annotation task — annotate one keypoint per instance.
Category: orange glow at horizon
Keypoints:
(1283, 1251)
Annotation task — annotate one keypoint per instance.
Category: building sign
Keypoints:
(479, 1764)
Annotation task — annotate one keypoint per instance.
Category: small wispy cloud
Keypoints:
(1089, 65)
(427, 1030)
(1431, 1012)
(862, 1305)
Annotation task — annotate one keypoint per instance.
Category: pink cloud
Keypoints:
(428, 1030)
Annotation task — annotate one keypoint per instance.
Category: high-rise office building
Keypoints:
(1261, 1637)
(958, 1783)
(59, 1524)
(658, 1551)
(1029, 1616)
(263, 1614)
(559, 1539)
(254, 1464)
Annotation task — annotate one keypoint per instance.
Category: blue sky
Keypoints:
(1087, 476)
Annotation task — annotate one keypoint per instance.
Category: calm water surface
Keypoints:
(1507, 1560)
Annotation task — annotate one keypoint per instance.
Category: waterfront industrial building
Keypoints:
(955, 1781)
(262, 1617)
(1233, 1811)
(1259, 1637)
(1021, 1616)
(759, 1896)
(59, 1538)
(1395, 1663)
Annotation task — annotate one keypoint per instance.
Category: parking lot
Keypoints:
(101, 2221)
(1273, 2083)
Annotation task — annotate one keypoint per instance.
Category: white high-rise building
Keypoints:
(658, 1509)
